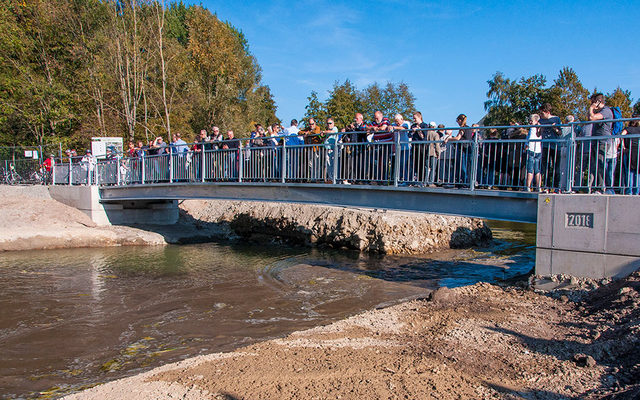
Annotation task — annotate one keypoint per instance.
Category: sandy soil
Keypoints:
(31, 219)
(482, 341)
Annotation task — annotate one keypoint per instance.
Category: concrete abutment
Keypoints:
(87, 200)
(591, 236)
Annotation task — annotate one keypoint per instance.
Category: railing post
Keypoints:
(142, 169)
(240, 163)
(284, 160)
(118, 170)
(335, 159)
(53, 171)
(170, 165)
(396, 160)
(474, 162)
(70, 172)
(202, 164)
(97, 173)
(571, 159)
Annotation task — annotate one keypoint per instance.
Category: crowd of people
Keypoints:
(424, 154)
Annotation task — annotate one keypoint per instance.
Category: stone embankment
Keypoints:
(376, 231)
(31, 219)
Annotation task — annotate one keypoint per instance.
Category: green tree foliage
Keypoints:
(72, 69)
(568, 96)
(511, 100)
(620, 98)
(343, 103)
(390, 100)
(315, 109)
(514, 100)
(636, 108)
(345, 100)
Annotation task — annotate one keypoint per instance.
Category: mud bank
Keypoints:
(31, 219)
(481, 341)
(375, 231)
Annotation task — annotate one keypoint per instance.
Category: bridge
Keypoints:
(583, 234)
(497, 205)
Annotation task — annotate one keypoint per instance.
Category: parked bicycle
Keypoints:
(10, 177)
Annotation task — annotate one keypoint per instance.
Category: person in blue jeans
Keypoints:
(603, 154)
(465, 133)
(534, 153)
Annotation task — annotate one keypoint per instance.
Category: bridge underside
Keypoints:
(498, 205)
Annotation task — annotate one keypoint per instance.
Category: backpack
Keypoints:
(617, 126)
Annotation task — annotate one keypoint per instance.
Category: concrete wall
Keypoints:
(593, 236)
(87, 200)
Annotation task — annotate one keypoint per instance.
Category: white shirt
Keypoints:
(292, 130)
(535, 147)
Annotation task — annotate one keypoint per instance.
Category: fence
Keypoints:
(565, 163)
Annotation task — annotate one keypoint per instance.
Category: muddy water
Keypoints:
(73, 318)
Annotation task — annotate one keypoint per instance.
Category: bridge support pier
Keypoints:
(87, 200)
(593, 236)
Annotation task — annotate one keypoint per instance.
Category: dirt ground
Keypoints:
(476, 342)
(30, 219)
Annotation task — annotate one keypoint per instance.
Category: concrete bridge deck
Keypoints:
(486, 204)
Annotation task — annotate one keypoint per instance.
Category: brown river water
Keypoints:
(70, 319)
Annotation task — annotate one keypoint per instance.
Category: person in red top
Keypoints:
(47, 168)
(48, 163)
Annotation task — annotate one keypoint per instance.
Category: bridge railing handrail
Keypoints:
(569, 162)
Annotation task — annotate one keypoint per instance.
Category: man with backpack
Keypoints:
(604, 153)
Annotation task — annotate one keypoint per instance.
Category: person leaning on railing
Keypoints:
(433, 154)
(463, 152)
(604, 154)
(313, 135)
(550, 150)
(401, 131)
(419, 134)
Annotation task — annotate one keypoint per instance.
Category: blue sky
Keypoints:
(444, 51)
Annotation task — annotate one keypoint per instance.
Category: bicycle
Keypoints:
(39, 177)
(11, 177)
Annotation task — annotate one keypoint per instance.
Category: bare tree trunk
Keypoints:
(146, 116)
(160, 13)
(128, 65)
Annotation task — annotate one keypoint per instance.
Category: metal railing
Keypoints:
(567, 164)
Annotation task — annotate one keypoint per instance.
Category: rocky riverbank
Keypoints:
(475, 342)
(375, 231)
(31, 219)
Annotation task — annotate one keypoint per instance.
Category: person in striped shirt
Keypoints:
(382, 154)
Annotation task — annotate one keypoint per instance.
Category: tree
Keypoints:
(315, 109)
(227, 74)
(514, 100)
(36, 63)
(568, 96)
(636, 108)
(262, 107)
(620, 98)
(71, 69)
(343, 103)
